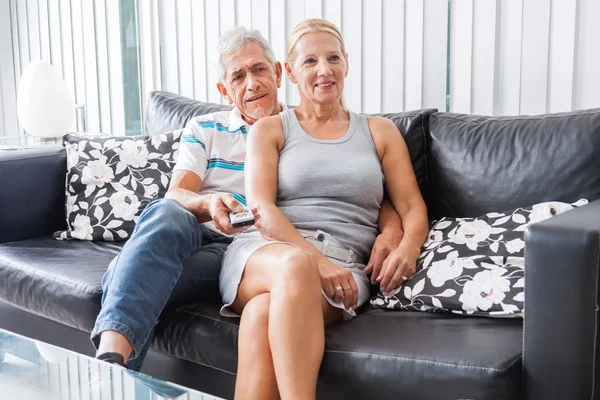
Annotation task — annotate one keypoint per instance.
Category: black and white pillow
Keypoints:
(110, 180)
(473, 266)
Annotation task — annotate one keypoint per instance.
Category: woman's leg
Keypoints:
(296, 321)
(255, 363)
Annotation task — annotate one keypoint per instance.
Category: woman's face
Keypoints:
(319, 68)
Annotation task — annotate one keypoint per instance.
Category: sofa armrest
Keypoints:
(32, 192)
(561, 306)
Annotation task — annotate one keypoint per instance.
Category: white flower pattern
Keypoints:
(486, 289)
(472, 233)
(125, 204)
(442, 271)
(97, 173)
(134, 153)
(82, 228)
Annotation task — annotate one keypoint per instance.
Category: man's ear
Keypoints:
(223, 90)
(278, 73)
(288, 71)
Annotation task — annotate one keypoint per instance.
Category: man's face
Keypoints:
(251, 82)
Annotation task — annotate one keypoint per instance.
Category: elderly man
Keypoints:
(175, 252)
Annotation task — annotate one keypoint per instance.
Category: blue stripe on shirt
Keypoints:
(219, 126)
(223, 161)
(240, 198)
(192, 139)
(225, 166)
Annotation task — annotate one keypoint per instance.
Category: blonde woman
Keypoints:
(315, 177)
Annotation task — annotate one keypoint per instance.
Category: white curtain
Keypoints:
(491, 57)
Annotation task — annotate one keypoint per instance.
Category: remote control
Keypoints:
(243, 218)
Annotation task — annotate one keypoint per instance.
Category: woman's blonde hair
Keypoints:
(309, 26)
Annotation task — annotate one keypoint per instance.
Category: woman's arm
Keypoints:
(264, 142)
(404, 193)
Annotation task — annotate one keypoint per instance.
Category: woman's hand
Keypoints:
(397, 268)
(338, 283)
(384, 244)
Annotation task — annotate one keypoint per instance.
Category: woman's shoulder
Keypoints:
(381, 125)
(270, 122)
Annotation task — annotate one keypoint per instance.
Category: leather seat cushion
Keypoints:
(58, 280)
(415, 355)
(62, 280)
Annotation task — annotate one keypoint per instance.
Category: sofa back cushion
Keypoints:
(480, 164)
(414, 126)
(167, 111)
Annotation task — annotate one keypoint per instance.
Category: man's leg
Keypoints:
(198, 280)
(141, 278)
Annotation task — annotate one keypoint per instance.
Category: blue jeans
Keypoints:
(169, 258)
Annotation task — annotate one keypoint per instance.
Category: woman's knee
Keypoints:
(298, 269)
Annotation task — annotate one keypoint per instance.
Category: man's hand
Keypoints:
(221, 204)
(383, 246)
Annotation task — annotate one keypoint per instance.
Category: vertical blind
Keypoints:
(489, 57)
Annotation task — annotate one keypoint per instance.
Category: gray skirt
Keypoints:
(245, 244)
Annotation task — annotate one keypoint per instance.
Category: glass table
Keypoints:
(32, 370)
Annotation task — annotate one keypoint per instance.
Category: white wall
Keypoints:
(506, 56)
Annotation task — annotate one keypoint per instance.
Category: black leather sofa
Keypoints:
(466, 165)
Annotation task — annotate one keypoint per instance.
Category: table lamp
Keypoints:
(45, 106)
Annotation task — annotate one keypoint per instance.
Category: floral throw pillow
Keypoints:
(472, 266)
(110, 180)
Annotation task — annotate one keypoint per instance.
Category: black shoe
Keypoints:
(112, 358)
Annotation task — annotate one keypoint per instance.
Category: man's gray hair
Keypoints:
(232, 42)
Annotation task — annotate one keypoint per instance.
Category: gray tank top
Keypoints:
(332, 185)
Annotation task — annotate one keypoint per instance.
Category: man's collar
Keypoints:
(236, 121)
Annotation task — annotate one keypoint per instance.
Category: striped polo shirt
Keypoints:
(213, 146)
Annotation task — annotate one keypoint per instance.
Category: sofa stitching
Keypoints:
(511, 118)
(203, 364)
(424, 134)
(31, 158)
(43, 274)
(417, 360)
(595, 323)
(204, 316)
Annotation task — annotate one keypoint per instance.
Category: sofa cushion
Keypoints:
(167, 111)
(58, 280)
(473, 265)
(418, 355)
(111, 179)
(414, 125)
(478, 165)
(62, 280)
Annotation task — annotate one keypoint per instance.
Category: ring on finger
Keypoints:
(338, 288)
(346, 289)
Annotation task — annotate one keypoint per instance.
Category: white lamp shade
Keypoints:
(44, 104)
